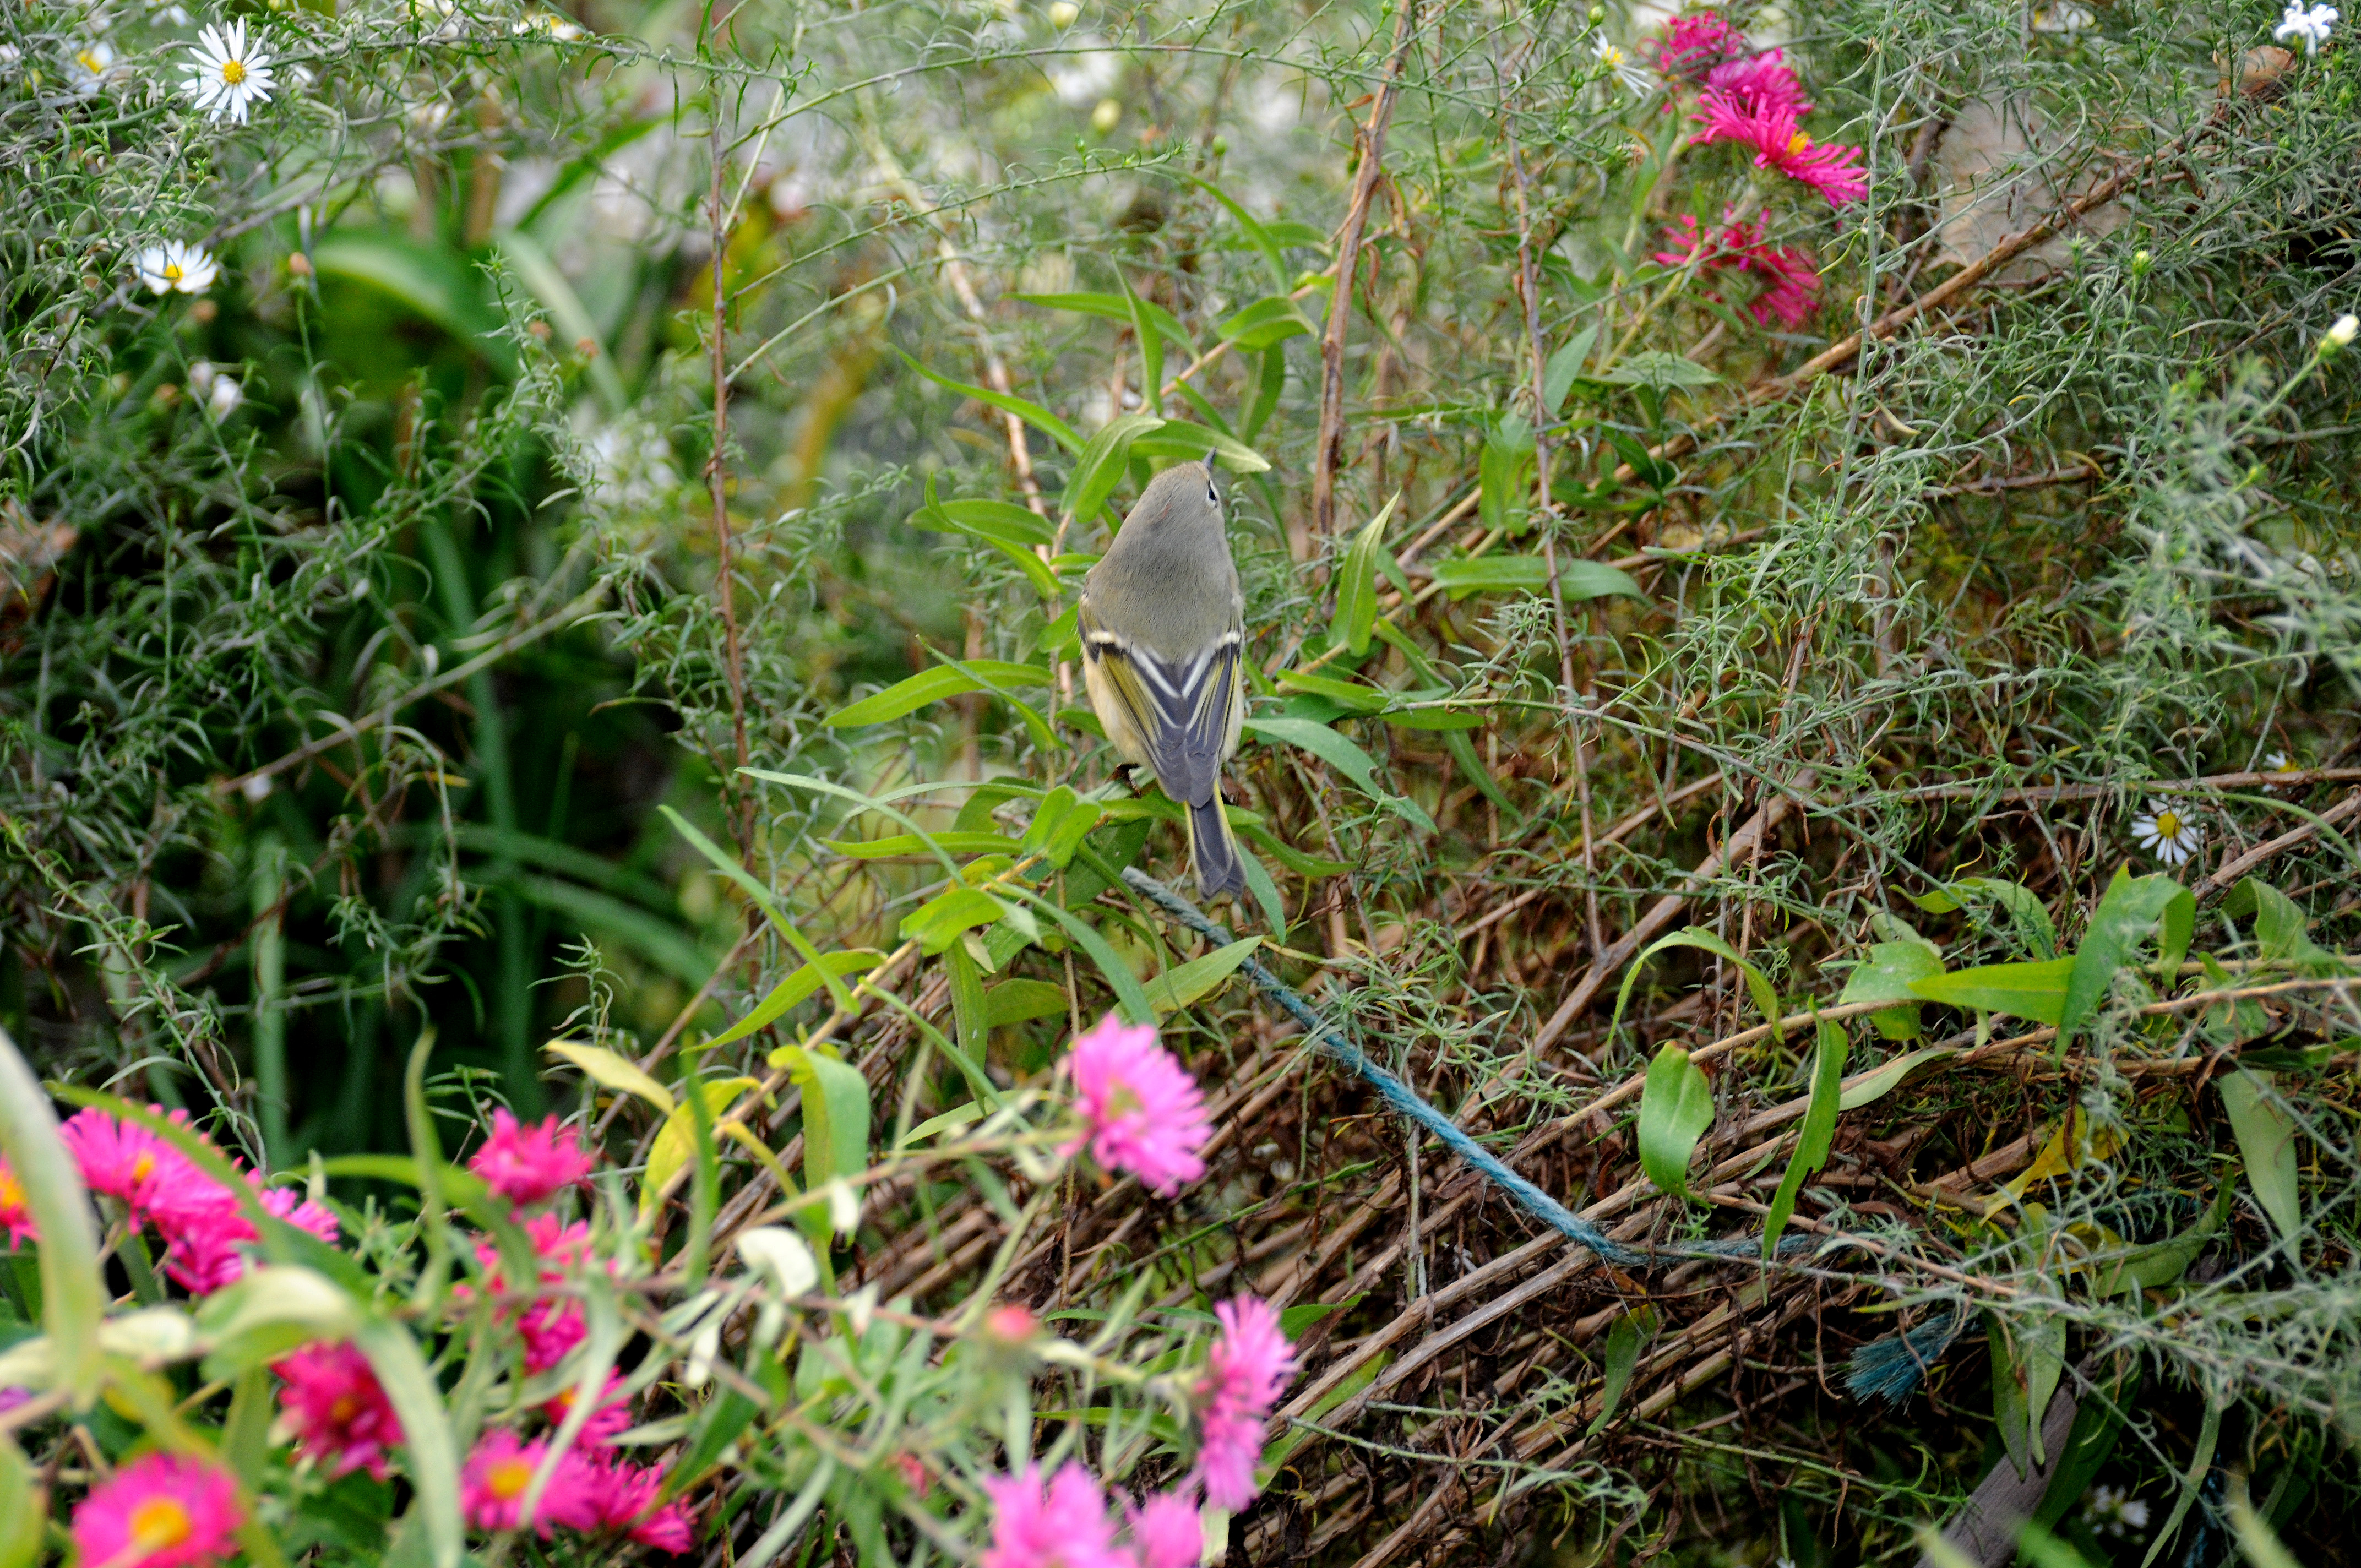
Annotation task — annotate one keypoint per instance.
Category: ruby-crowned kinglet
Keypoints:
(1161, 622)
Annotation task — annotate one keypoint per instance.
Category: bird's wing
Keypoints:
(1185, 712)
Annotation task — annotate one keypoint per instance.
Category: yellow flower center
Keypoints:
(145, 1166)
(2167, 824)
(1611, 55)
(159, 1523)
(90, 63)
(1798, 145)
(345, 1408)
(232, 73)
(11, 1191)
(508, 1478)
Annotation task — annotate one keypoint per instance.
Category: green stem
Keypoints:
(268, 888)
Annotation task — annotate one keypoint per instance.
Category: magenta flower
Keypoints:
(607, 1419)
(1245, 1372)
(548, 1325)
(1165, 1532)
(1695, 43)
(1792, 284)
(626, 1497)
(126, 1161)
(161, 1511)
(1760, 82)
(1145, 1113)
(15, 1214)
(500, 1468)
(340, 1415)
(205, 1244)
(1062, 1525)
(528, 1165)
(1773, 130)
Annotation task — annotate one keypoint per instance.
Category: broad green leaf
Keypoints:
(676, 1143)
(1887, 1078)
(2126, 911)
(1356, 585)
(1117, 308)
(1655, 369)
(1180, 439)
(435, 281)
(933, 685)
(2035, 992)
(1030, 412)
(1504, 476)
(24, 1513)
(429, 1452)
(1886, 975)
(2279, 928)
(836, 1113)
(1021, 1000)
(1265, 323)
(2025, 911)
(1296, 1322)
(1265, 890)
(804, 982)
(1341, 754)
(1148, 334)
(1348, 694)
(969, 1020)
(1675, 1108)
(1818, 1132)
(1101, 464)
(1059, 825)
(952, 843)
(1004, 522)
(936, 924)
(609, 1070)
(1559, 374)
(73, 1292)
(2266, 1136)
(1185, 983)
(2027, 1356)
(2161, 1264)
(1630, 1332)
(1577, 579)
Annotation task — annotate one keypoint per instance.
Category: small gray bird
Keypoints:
(1161, 624)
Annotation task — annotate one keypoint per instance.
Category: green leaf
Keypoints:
(1558, 375)
(1180, 439)
(23, 1507)
(1126, 307)
(1577, 579)
(1886, 975)
(1269, 383)
(936, 924)
(1887, 1079)
(2098, 1422)
(662, 943)
(435, 282)
(1675, 1108)
(1343, 756)
(1296, 1322)
(1504, 477)
(1268, 321)
(676, 1139)
(1030, 412)
(1186, 983)
(836, 1113)
(2129, 908)
(2027, 1356)
(1287, 854)
(1265, 891)
(1002, 523)
(1257, 234)
(1463, 751)
(1151, 345)
(549, 285)
(1059, 825)
(1655, 368)
(1356, 585)
(2200, 1464)
(1131, 997)
(1022, 1001)
(73, 1292)
(933, 685)
(895, 844)
(1621, 1358)
(1348, 694)
(1818, 1133)
(1101, 464)
(2280, 929)
(605, 1067)
(2266, 1136)
(2024, 910)
(804, 982)
(430, 1454)
(1758, 985)
(2035, 992)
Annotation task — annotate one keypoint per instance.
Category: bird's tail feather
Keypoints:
(1213, 851)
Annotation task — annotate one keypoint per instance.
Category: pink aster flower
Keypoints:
(1695, 43)
(548, 1325)
(15, 1214)
(161, 1511)
(1165, 1532)
(528, 1165)
(608, 1419)
(1791, 286)
(500, 1468)
(205, 1244)
(626, 1501)
(1062, 1525)
(1146, 1113)
(1245, 1372)
(340, 1415)
(1760, 82)
(126, 1161)
(1773, 130)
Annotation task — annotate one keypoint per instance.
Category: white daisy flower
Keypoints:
(1620, 65)
(91, 66)
(2169, 832)
(232, 73)
(2312, 26)
(173, 267)
(221, 394)
(557, 26)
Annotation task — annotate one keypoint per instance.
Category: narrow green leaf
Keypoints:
(2200, 1464)
(1268, 321)
(797, 987)
(836, 1113)
(2266, 1136)
(1030, 412)
(1265, 891)
(1887, 1079)
(1758, 985)
(22, 1511)
(430, 1454)
(1255, 233)
(73, 1295)
(897, 844)
(1886, 975)
(1179, 439)
(1102, 465)
(2126, 911)
(1577, 579)
(1022, 1001)
(1818, 1133)
(938, 923)
(1131, 997)
(1631, 1331)
(1348, 694)
(1123, 307)
(1343, 755)
(1675, 1108)
(434, 282)
(1356, 584)
(1558, 375)
(933, 685)
(2035, 992)
(2027, 1356)
(1184, 984)
(1151, 347)
(605, 1067)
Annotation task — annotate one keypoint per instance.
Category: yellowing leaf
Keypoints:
(675, 1144)
(2075, 1144)
(608, 1070)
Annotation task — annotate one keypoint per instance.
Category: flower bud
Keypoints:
(1064, 13)
(2341, 335)
(2141, 261)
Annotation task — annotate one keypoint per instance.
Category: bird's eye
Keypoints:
(1212, 497)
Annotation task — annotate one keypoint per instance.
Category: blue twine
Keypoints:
(1891, 1367)
(1406, 1099)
